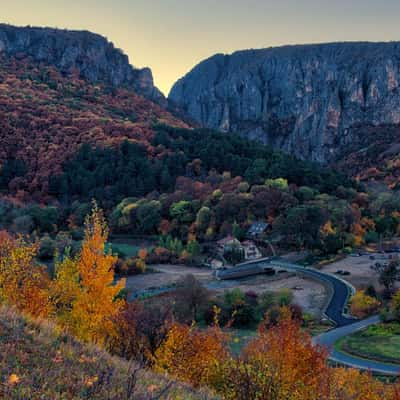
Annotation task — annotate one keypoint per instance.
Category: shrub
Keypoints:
(47, 248)
(362, 305)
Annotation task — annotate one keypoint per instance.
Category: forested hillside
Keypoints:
(66, 141)
(45, 117)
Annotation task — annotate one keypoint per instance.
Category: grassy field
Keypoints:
(380, 342)
(38, 362)
(319, 328)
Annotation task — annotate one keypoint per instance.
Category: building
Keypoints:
(257, 228)
(251, 251)
(247, 248)
(227, 244)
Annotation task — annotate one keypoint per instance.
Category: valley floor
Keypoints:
(308, 294)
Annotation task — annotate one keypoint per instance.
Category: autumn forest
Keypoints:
(121, 218)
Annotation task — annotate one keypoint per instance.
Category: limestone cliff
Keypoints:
(92, 56)
(309, 100)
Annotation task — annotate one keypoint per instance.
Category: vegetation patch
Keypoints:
(124, 249)
(379, 342)
(37, 361)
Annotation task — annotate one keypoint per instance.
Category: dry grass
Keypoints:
(39, 362)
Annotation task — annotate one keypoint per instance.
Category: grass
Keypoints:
(124, 249)
(39, 362)
(380, 342)
(319, 328)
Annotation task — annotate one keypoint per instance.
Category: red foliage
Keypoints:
(45, 117)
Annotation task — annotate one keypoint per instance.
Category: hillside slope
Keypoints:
(87, 54)
(313, 101)
(46, 116)
(39, 362)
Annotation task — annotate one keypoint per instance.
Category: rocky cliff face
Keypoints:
(312, 100)
(90, 55)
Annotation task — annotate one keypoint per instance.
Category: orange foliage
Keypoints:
(83, 297)
(281, 363)
(96, 307)
(192, 355)
(359, 232)
(22, 283)
(328, 229)
(142, 254)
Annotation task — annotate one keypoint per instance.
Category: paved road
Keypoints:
(328, 339)
(335, 311)
(341, 290)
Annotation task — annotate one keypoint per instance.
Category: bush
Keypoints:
(241, 308)
(362, 305)
(371, 237)
(47, 248)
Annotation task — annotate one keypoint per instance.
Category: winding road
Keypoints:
(340, 292)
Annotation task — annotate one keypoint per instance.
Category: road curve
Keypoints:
(335, 311)
(328, 339)
(341, 290)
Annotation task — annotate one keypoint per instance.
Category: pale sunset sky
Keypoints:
(171, 36)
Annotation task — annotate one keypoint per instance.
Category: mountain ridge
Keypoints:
(88, 54)
(309, 100)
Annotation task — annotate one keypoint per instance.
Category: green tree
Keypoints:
(389, 275)
(395, 305)
(256, 171)
(182, 211)
(278, 183)
(237, 231)
(193, 248)
(148, 215)
(301, 225)
(203, 218)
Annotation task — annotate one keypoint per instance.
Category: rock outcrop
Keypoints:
(309, 100)
(90, 55)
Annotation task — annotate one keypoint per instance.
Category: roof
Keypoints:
(228, 240)
(257, 227)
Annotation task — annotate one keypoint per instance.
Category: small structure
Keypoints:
(257, 228)
(228, 244)
(216, 264)
(247, 249)
(251, 251)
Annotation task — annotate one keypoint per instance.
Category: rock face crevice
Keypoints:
(306, 100)
(90, 55)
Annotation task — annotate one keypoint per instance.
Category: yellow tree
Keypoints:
(65, 288)
(395, 305)
(362, 305)
(348, 383)
(96, 308)
(193, 355)
(280, 363)
(22, 283)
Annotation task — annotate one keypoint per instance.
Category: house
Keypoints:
(227, 244)
(257, 228)
(247, 248)
(251, 251)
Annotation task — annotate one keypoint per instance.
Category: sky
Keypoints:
(172, 36)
